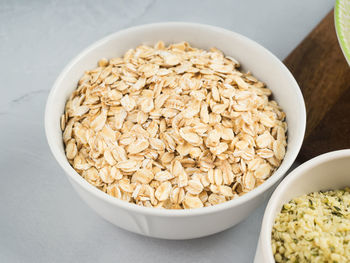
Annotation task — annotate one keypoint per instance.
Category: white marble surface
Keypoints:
(42, 219)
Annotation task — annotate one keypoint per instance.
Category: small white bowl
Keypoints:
(329, 171)
(179, 224)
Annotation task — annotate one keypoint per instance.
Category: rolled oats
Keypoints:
(173, 127)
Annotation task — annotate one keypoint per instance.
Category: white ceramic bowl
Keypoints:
(329, 171)
(179, 224)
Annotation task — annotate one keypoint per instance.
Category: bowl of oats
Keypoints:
(308, 216)
(166, 128)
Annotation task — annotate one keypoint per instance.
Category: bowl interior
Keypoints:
(252, 57)
(330, 171)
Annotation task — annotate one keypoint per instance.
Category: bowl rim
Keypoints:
(296, 174)
(341, 35)
(73, 175)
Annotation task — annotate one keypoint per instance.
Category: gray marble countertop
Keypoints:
(42, 218)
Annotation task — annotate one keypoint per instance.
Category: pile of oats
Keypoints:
(173, 127)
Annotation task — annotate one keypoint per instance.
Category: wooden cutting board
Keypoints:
(323, 75)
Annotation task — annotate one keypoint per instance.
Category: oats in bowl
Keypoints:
(173, 127)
